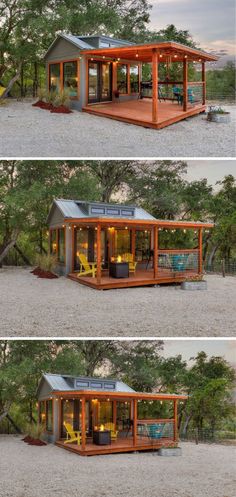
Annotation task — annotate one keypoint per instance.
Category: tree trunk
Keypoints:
(23, 256)
(18, 430)
(35, 83)
(212, 255)
(22, 82)
(6, 247)
(11, 83)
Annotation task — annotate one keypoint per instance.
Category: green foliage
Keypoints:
(209, 382)
(220, 83)
(46, 262)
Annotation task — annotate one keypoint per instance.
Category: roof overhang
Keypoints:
(136, 222)
(116, 395)
(167, 51)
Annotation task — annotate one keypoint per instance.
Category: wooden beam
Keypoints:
(114, 412)
(200, 251)
(155, 252)
(61, 76)
(83, 424)
(154, 85)
(185, 85)
(99, 269)
(135, 416)
(176, 420)
(133, 242)
(204, 83)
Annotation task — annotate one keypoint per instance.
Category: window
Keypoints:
(53, 242)
(113, 212)
(70, 79)
(61, 245)
(126, 212)
(49, 416)
(134, 78)
(42, 413)
(122, 78)
(97, 210)
(54, 77)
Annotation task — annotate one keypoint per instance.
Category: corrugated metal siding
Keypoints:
(62, 50)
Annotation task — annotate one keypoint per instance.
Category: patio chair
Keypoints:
(128, 257)
(155, 430)
(179, 262)
(71, 434)
(111, 428)
(177, 95)
(190, 96)
(88, 267)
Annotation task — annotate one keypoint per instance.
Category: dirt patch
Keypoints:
(44, 274)
(61, 109)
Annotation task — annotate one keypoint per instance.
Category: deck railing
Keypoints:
(179, 261)
(173, 90)
(155, 429)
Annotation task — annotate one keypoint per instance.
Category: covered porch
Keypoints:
(117, 422)
(110, 253)
(157, 102)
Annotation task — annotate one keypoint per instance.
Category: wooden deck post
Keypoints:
(185, 85)
(133, 236)
(154, 85)
(175, 420)
(114, 412)
(200, 251)
(203, 83)
(155, 251)
(83, 424)
(99, 270)
(135, 413)
(61, 77)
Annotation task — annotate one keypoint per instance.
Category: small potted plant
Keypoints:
(170, 451)
(218, 115)
(195, 282)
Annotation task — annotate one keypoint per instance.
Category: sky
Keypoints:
(210, 22)
(189, 348)
(213, 170)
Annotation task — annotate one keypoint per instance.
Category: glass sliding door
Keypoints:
(99, 82)
(54, 77)
(70, 79)
(93, 82)
(122, 242)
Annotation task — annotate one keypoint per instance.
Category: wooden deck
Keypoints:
(141, 277)
(120, 445)
(140, 112)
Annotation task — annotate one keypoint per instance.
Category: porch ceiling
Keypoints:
(136, 223)
(91, 394)
(144, 52)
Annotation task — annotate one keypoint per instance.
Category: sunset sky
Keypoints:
(210, 22)
(189, 348)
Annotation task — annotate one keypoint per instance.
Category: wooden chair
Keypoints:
(130, 259)
(71, 434)
(88, 267)
(111, 428)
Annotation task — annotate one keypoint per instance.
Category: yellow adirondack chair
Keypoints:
(88, 267)
(72, 435)
(128, 257)
(111, 428)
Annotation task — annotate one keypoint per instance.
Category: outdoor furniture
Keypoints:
(71, 434)
(119, 270)
(111, 428)
(88, 267)
(179, 262)
(155, 430)
(102, 437)
(130, 259)
(177, 92)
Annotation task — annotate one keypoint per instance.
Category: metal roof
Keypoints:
(75, 40)
(108, 39)
(78, 209)
(66, 383)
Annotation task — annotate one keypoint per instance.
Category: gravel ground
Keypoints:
(30, 306)
(27, 131)
(202, 471)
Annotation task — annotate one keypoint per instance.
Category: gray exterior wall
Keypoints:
(62, 50)
(56, 221)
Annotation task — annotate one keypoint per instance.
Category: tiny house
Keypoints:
(103, 76)
(91, 416)
(105, 245)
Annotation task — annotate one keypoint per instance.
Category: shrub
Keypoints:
(62, 98)
(50, 97)
(35, 430)
(42, 94)
(46, 262)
